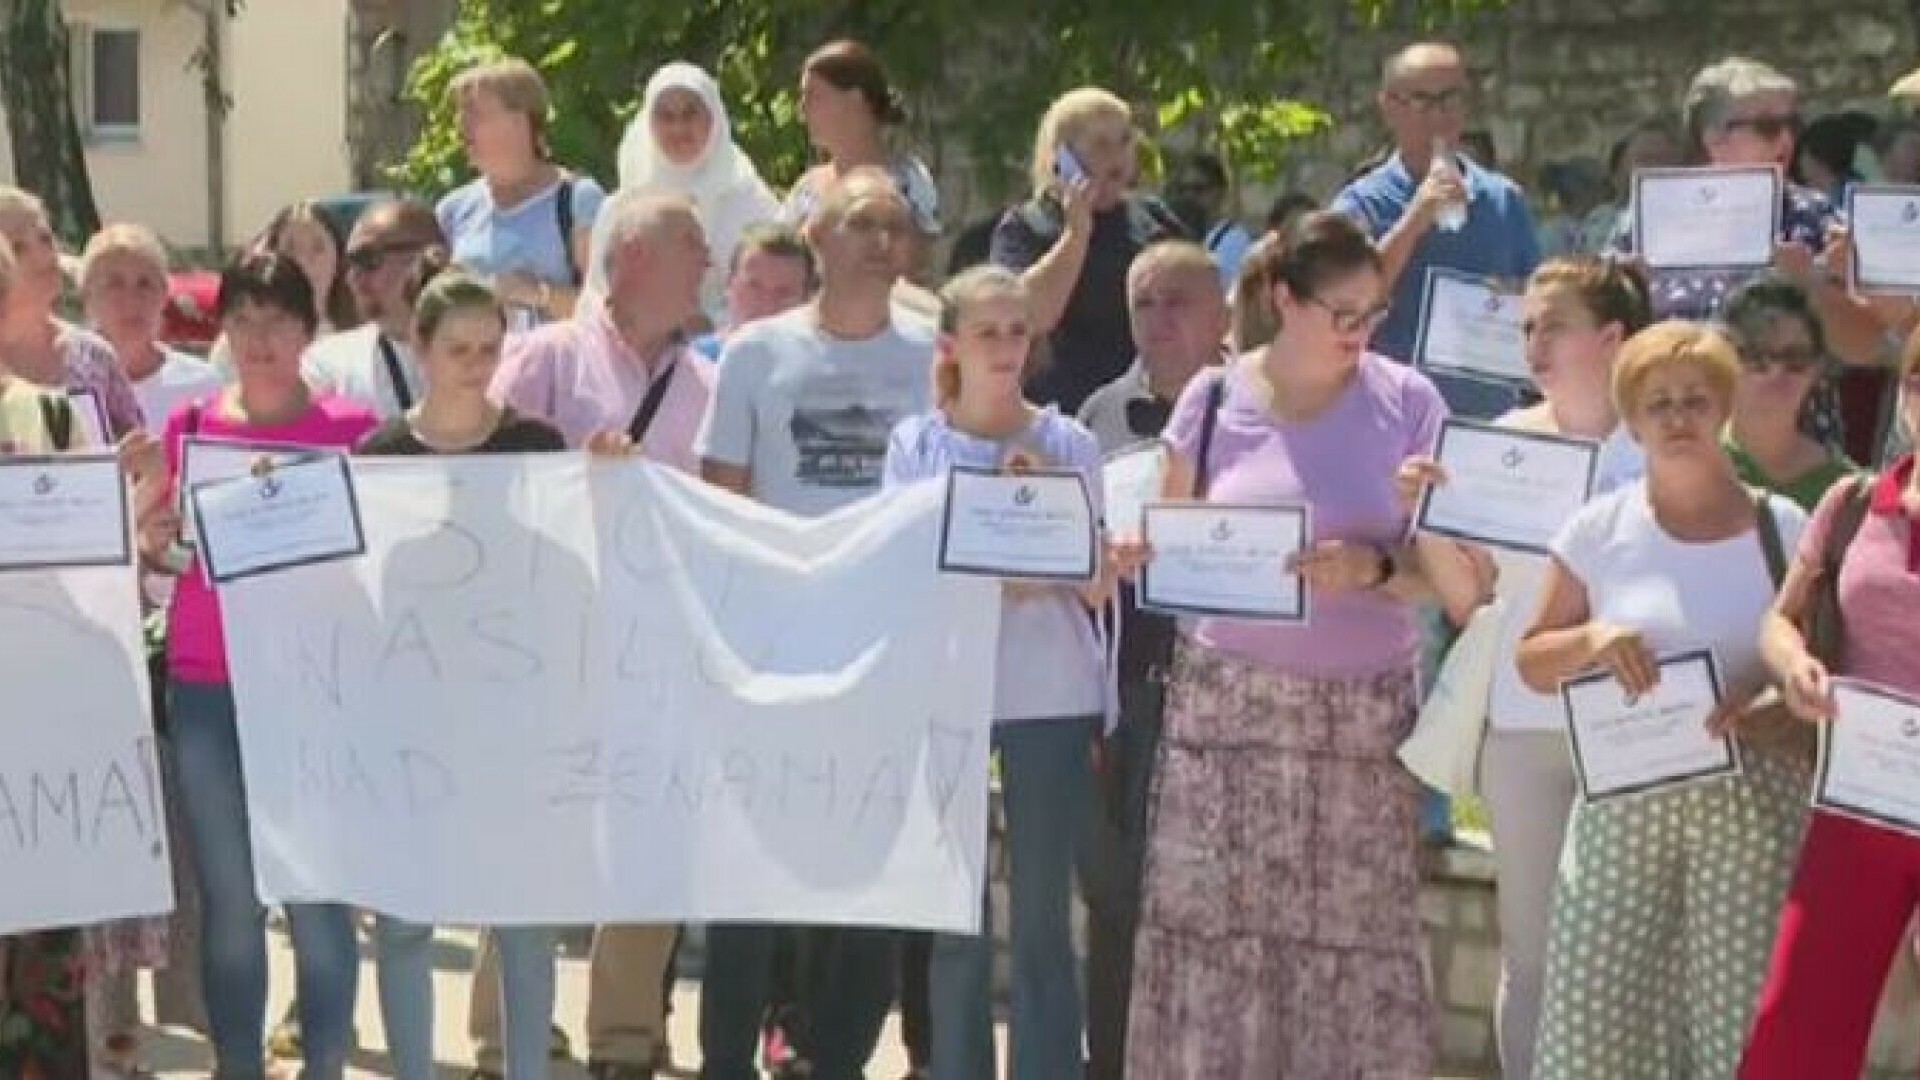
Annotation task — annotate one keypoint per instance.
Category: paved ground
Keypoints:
(180, 1055)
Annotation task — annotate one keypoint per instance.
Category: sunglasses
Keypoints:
(1794, 361)
(371, 256)
(1767, 127)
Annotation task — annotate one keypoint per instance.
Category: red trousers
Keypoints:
(1853, 898)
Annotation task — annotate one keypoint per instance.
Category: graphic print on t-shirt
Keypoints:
(839, 443)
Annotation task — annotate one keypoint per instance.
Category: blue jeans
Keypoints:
(233, 924)
(406, 996)
(1047, 790)
(846, 988)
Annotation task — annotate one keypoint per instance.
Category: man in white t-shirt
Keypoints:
(373, 364)
(803, 404)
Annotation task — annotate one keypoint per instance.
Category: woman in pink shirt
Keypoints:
(1858, 884)
(268, 313)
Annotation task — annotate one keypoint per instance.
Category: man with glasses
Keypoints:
(1178, 313)
(1402, 201)
(1201, 195)
(373, 364)
(1404, 204)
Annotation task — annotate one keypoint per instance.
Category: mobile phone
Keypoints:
(1066, 166)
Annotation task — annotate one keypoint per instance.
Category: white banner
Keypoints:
(83, 836)
(559, 691)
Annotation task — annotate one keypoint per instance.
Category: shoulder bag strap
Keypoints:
(563, 214)
(396, 372)
(650, 405)
(1769, 528)
(1216, 393)
(1846, 524)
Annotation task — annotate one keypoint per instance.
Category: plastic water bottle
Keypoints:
(1452, 216)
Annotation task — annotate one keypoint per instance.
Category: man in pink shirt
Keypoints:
(619, 364)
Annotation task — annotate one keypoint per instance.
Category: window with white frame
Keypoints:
(106, 80)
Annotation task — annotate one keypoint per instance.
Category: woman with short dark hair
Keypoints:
(1258, 956)
(268, 314)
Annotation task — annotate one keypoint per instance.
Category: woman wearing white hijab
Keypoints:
(681, 143)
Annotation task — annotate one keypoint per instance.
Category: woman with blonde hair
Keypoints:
(123, 287)
(1075, 238)
(1050, 696)
(39, 347)
(1666, 902)
(524, 224)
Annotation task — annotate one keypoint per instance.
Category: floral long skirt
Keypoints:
(43, 1029)
(1280, 930)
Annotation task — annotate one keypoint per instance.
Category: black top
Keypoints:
(515, 434)
(1094, 342)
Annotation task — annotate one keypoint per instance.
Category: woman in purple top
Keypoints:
(1280, 926)
(1049, 695)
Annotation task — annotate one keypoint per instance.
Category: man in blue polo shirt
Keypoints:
(1405, 204)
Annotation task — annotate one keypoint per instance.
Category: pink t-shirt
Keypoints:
(1879, 583)
(196, 647)
(579, 376)
(1341, 464)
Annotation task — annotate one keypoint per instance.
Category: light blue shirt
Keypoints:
(524, 239)
(1498, 240)
(1228, 243)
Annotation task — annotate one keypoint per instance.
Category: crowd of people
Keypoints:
(1245, 839)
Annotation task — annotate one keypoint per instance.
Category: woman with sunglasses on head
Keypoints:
(1782, 356)
(1258, 956)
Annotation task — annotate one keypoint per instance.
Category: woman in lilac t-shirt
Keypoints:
(267, 311)
(1280, 927)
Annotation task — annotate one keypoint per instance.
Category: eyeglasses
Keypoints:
(1795, 360)
(1348, 321)
(1432, 100)
(1767, 127)
(370, 256)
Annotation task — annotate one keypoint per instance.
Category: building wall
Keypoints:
(287, 133)
(160, 176)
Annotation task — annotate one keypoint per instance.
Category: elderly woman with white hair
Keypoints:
(1075, 238)
(1742, 112)
(681, 143)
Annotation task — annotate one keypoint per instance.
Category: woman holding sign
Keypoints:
(458, 325)
(1257, 956)
(1051, 688)
(1578, 313)
(1858, 883)
(1679, 857)
(268, 312)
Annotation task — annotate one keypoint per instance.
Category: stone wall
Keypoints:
(1564, 77)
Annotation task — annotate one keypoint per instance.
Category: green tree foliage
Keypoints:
(979, 71)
